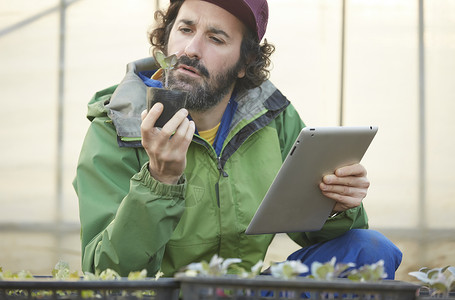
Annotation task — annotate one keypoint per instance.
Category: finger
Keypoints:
(344, 202)
(172, 125)
(190, 133)
(343, 190)
(351, 170)
(353, 181)
(180, 133)
(143, 114)
(153, 115)
(191, 130)
(184, 135)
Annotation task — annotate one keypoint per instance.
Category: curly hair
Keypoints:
(255, 56)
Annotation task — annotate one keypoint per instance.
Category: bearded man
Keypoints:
(162, 198)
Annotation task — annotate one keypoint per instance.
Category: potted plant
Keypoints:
(172, 100)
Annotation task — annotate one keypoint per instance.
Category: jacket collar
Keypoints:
(129, 100)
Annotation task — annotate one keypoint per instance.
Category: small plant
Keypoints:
(329, 270)
(438, 280)
(167, 63)
(242, 273)
(62, 271)
(288, 269)
(373, 272)
(7, 275)
(216, 267)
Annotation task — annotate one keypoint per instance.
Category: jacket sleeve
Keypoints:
(288, 126)
(126, 216)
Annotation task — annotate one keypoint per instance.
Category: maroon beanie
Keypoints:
(253, 13)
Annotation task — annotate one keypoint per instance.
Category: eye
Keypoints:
(185, 30)
(216, 40)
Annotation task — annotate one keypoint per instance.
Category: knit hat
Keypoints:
(253, 13)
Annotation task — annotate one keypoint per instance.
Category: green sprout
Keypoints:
(288, 269)
(242, 273)
(62, 271)
(437, 280)
(329, 270)
(167, 63)
(216, 267)
(372, 272)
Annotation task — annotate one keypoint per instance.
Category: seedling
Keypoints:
(288, 269)
(437, 280)
(216, 267)
(372, 272)
(329, 270)
(167, 63)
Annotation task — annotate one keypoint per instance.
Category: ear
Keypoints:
(241, 73)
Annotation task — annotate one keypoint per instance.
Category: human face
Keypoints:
(207, 40)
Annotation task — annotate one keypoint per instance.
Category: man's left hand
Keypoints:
(347, 186)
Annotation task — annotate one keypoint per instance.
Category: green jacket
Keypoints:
(129, 221)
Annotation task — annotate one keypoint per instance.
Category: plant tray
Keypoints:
(267, 287)
(123, 289)
(424, 294)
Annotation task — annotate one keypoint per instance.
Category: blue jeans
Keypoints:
(359, 246)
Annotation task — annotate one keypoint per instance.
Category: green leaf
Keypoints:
(355, 277)
(424, 269)
(24, 275)
(434, 273)
(137, 275)
(205, 266)
(440, 287)
(422, 276)
(158, 275)
(161, 59)
(74, 275)
(109, 274)
(166, 62)
(170, 61)
(256, 269)
(227, 262)
(325, 271)
(90, 276)
(288, 272)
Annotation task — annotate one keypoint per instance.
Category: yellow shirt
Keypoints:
(209, 135)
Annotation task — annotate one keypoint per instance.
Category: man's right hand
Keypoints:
(166, 147)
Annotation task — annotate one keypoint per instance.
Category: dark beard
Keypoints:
(202, 97)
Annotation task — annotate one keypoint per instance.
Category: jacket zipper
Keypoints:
(223, 173)
(220, 167)
(217, 184)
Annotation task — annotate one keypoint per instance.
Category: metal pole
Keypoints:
(343, 24)
(60, 122)
(422, 217)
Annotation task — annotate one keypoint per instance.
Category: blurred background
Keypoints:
(389, 63)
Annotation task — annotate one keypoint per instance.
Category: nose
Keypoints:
(194, 47)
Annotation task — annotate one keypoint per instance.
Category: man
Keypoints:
(162, 198)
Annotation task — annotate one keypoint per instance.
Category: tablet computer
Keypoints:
(294, 201)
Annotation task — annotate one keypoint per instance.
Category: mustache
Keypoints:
(195, 63)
